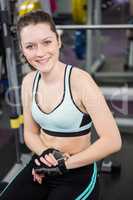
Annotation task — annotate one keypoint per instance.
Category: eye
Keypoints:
(29, 47)
(46, 42)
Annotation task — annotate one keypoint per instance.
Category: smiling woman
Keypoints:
(60, 103)
(41, 49)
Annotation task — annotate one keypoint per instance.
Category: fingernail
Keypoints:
(55, 164)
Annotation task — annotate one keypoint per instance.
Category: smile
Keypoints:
(43, 60)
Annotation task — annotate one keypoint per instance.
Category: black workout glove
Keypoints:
(53, 170)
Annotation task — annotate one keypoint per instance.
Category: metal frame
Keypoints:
(96, 27)
(120, 91)
(89, 55)
(130, 58)
(118, 76)
(11, 71)
(128, 76)
(113, 77)
(0, 67)
(125, 123)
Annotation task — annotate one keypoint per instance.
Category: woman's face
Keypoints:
(40, 46)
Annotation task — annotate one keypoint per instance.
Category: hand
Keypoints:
(47, 159)
(37, 177)
(51, 162)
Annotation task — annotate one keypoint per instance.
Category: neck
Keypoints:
(54, 75)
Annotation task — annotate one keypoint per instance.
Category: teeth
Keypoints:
(43, 60)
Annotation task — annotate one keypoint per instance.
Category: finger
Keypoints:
(53, 159)
(33, 174)
(39, 179)
(37, 162)
(34, 178)
(66, 156)
(37, 175)
(42, 175)
(50, 159)
(43, 160)
(33, 171)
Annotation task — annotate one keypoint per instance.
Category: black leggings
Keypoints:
(76, 184)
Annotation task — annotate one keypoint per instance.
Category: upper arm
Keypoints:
(26, 95)
(96, 106)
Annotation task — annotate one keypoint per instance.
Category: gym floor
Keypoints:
(117, 186)
(113, 186)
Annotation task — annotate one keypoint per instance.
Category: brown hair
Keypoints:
(34, 18)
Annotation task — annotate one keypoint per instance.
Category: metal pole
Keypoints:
(97, 21)
(11, 70)
(130, 59)
(89, 53)
(95, 27)
(97, 12)
(46, 6)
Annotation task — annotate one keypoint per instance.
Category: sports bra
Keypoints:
(66, 119)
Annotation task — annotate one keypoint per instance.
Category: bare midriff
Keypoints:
(70, 145)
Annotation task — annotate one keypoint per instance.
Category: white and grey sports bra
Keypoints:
(66, 119)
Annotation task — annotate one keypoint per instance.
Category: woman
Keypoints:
(60, 102)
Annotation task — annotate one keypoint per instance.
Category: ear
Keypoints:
(20, 46)
(60, 32)
(21, 49)
(59, 41)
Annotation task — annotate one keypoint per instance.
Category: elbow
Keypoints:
(117, 145)
(25, 138)
(120, 145)
(25, 141)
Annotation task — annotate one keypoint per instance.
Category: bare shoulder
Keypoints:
(82, 78)
(28, 80)
(26, 89)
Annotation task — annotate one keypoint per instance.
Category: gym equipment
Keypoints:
(106, 4)
(109, 166)
(53, 5)
(129, 65)
(79, 11)
(80, 44)
(93, 16)
(13, 93)
(100, 76)
(129, 58)
(28, 6)
(2, 186)
(95, 27)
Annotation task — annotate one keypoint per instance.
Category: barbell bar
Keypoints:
(95, 27)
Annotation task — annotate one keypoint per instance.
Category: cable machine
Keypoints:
(11, 67)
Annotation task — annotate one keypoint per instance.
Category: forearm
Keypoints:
(97, 151)
(34, 143)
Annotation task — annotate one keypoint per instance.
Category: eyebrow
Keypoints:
(49, 37)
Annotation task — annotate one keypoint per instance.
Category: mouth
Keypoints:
(42, 61)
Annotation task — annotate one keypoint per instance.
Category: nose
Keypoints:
(40, 50)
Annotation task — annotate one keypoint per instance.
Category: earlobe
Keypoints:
(60, 32)
(60, 43)
(21, 48)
